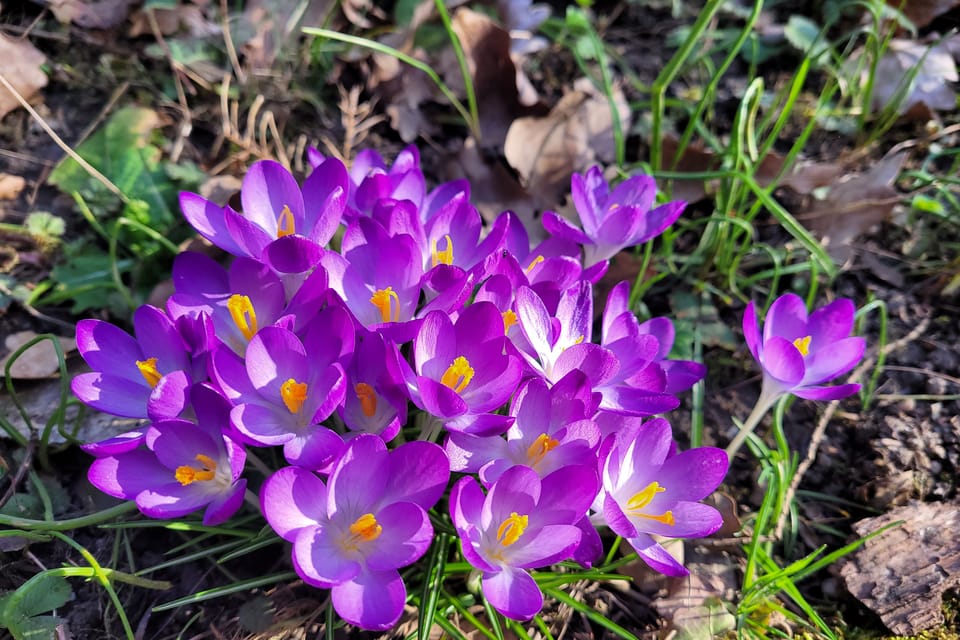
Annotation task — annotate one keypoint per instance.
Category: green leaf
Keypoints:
(804, 35)
(20, 611)
(44, 223)
(85, 280)
(121, 151)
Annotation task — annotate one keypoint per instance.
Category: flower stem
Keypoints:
(763, 405)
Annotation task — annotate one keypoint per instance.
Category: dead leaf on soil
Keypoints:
(21, 69)
(100, 14)
(694, 605)
(935, 69)
(11, 186)
(486, 46)
(922, 12)
(576, 134)
(37, 362)
(274, 24)
(188, 17)
(902, 574)
(853, 206)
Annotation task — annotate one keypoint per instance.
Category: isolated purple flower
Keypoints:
(184, 467)
(353, 533)
(522, 523)
(799, 353)
(612, 220)
(146, 376)
(649, 490)
(274, 206)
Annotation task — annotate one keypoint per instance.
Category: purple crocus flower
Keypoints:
(799, 353)
(522, 523)
(147, 376)
(286, 387)
(274, 206)
(376, 399)
(612, 220)
(462, 371)
(551, 430)
(184, 466)
(353, 533)
(648, 490)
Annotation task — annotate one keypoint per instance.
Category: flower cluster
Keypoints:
(360, 299)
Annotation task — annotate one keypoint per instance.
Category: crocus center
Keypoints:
(388, 303)
(509, 319)
(645, 496)
(294, 394)
(364, 529)
(543, 445)
(511, 529)
(442, 257)
(285, 223)
(187, 474)
(534, 263)
(367, 397)
(241, 310)
(803, 345)
(458, 375)
(148, 369)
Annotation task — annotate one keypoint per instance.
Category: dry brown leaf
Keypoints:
(922, 12)
(486, 46)
(694, 605)
(935, 68)
(37, 362)
(493, 187)
(901, 574)
(276, 23)
(576, 134)
(100, 14)
(854, 206)
(21, 68)
(11, 186)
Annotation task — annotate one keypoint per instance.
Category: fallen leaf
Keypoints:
(11, 186)
(853, 206)
(272, 25)
(486, 46)
(934, 67)
(21, 68)
(100, 14)
(922, 12)
(902, 574)
(37, 362)
(575, 135)
(493, 187)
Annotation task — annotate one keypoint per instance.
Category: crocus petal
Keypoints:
(421, 472)
(319, 558)
(440, 400)
(171, 395)
(406, 535)
(751, 332)
(267, 188)
(126, 475)
(293, 499)
(373, 600)
(208, 219)
(830, 323)
(360, 475)
(316, 449)
(112, 394)
(827, 393)
(121, 443)
(109, 348)
(656, 557)
(513, 592)
(558, 226)
(261, 424)
(543, 547)
(590, 548)
(833, 360)
(225, 505)
(275, 355)
(172, 500)
(693, 474)
(782, 360)
(787, 318)
(691, 520)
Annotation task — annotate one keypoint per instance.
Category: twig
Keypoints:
(828, 414)
(187, 125)
(228, 43)
(89, 168)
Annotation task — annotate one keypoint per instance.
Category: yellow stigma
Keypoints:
(367, 397)
(241, 310)
(186, 474)
(383, 300)
(148, 369)
(645, 496)
(363, 529)
(294, 394)
(509, 319)
(803, 345)
(511, 529)
(458, 375)
(442, 257)
(540, 448)
(285, 223)
(534, 263)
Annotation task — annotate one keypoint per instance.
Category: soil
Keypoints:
(904, 447)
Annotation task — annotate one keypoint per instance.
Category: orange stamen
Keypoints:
(148, 369)
(442, 257)
(540, 448)
(293, 394)
(241, 310)
(185, 474)
(286, 225)
(511, 529)
(458, 375)
(367, 397)
(383, 300)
